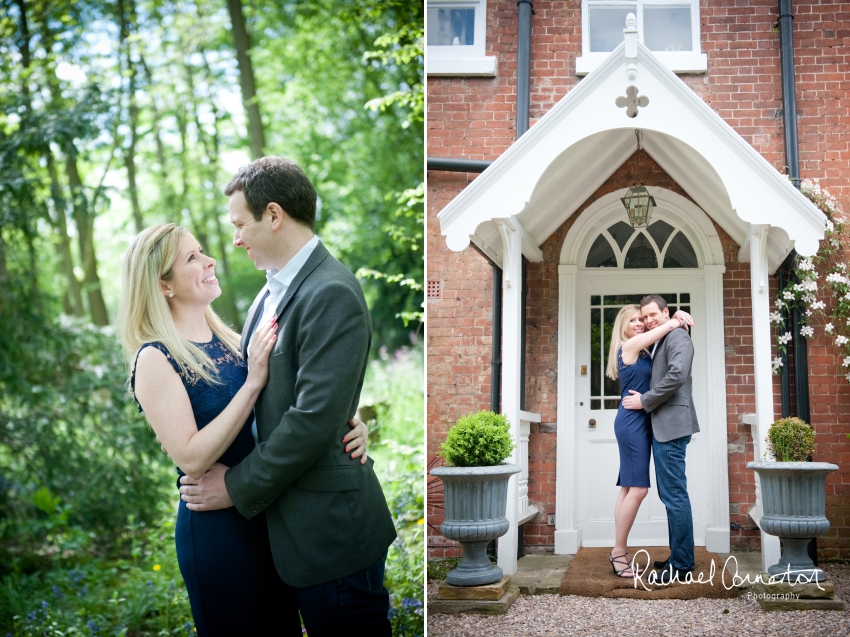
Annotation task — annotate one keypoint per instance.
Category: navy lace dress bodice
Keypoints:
(633, 428)
(209, 399)
(226, 560)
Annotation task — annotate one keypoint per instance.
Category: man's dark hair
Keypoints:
(653, 298)
(278, 180)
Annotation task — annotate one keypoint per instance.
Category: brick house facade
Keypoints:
(474, 118)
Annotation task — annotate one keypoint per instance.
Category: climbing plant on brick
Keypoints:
(827, 265)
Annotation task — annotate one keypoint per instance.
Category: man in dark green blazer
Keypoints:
(328, 520)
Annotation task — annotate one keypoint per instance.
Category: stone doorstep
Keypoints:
(541, 573)
(479, 606)
(487, 592)
(826, 601)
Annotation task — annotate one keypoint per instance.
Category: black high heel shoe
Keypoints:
(622, 559)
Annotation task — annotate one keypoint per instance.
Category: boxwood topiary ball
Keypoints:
(478, 440)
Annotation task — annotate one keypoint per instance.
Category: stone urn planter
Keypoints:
(476, 502)
(475, 487)
(793, 501)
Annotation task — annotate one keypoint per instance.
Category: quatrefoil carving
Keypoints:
(631, 101)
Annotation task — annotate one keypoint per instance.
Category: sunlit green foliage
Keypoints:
(93, 92)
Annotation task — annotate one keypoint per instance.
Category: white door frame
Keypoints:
(695, 224)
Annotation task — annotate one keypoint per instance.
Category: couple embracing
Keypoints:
(276, 519)
(652, 353)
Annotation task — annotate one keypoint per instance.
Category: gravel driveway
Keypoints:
(598, 617)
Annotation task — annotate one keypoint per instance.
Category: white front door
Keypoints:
(599, 297)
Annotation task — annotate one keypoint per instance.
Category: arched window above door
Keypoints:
(658, 246)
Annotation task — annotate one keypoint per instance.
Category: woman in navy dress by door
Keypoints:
(629, 361)
(198, 394)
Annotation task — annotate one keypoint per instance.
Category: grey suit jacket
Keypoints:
(669, 400)
(326, 513)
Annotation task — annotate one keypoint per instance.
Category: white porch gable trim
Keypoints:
(586, 136)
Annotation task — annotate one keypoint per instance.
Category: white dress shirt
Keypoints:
(278, 282)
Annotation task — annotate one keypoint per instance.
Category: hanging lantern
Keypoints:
(639, 204)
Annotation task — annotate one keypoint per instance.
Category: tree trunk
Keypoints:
(160, 147)
(200, 233)
(75, 297)
(242, 44)
(4, 271)
(24, 48)
(228, 306)
(133, 109)
(85, 232)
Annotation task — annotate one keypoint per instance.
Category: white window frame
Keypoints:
(694, 61)
(470, 61)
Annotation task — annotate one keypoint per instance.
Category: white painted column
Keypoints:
(762, 371)
(717, 534)
(567, 536)
(511, 356)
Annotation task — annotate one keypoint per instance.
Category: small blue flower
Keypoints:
(83, 591)
(44, 604)
(56, 591)
(411, 603)
(31, 616)
(188, 627)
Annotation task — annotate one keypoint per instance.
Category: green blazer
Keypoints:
(326, 513)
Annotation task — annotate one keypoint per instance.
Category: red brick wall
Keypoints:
(474, 118)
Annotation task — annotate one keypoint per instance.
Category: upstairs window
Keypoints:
(456, 39)
(668, 28)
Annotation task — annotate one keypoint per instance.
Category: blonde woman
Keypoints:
(629, 361)
(198, 395)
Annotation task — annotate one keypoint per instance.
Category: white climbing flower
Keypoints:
(778, 303)
(818, 305)
(808, 312)
(807, 331)
(775, 317)
(837, 277)
(830, 227)
(788, 295)
(828, 328)
(777, 363)
(840, 340)
(846, 362)
(806, 265)
(784, 338)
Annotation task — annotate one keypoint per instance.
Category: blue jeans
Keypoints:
(351, 606)
(673, 491)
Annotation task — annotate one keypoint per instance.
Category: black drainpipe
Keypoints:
(792, 160)
(783, 273)
(789, 90)
(523, 70)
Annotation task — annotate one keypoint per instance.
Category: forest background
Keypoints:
(115, 116)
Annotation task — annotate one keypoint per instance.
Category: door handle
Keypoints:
(592, 423)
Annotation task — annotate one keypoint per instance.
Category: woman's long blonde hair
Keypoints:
(618, 337)
(143, 312)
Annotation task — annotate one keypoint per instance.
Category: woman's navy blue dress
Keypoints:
(632, 427)
(226, 560)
